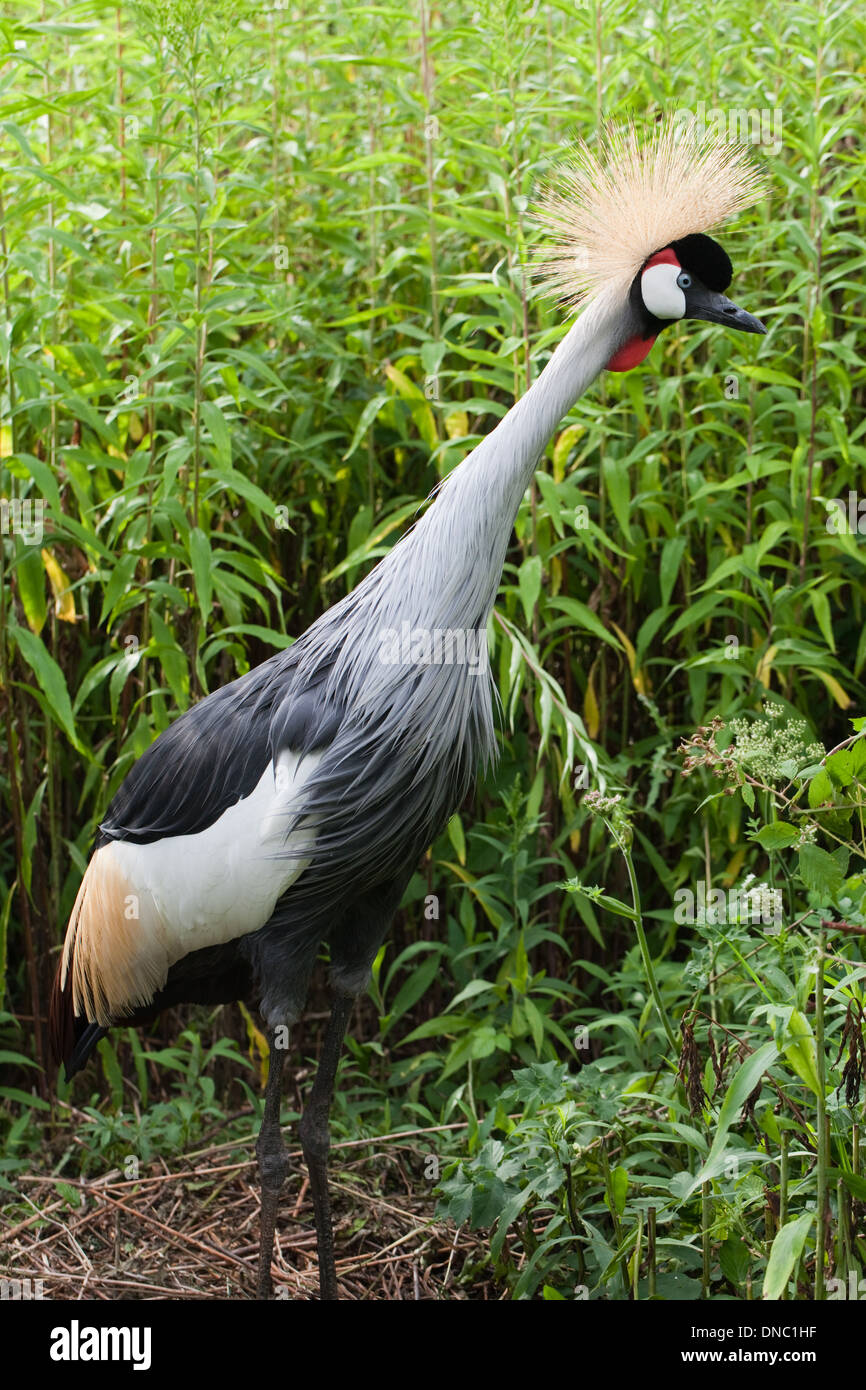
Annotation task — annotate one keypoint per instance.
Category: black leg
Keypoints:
(316, 1141)
(271, 1153)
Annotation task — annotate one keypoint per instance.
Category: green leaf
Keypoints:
(28, 839)
(30, 573)
(438, 1028)
(672, 556)
(200, 556)
(418, 981)
(172, 660)
(469, 992)
(118, 583)
(820, 789)
(457, 837)
(797, 1044)
(855, 1184)
(529, 584)
(620, 909)
(616, 1197)
(786, 1251)
(616, 481)
(112, 1069)
(779, 835)
(742, 1084)
(821, 872)
(734, 1259)
(368, 415)
(5, 911)
(231, 478)
(52, 682)
(488, 1200)
(536, 1024)
(821, 608)
(583, 617)
(20, 1097)
(219, 432)
(46, 481)
(840, 767)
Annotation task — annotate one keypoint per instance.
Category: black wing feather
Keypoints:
(216, 752)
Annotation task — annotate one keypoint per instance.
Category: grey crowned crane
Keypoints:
(289, 809)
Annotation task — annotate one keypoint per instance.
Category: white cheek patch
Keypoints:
(660, 292)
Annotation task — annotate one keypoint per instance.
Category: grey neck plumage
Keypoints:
(469, 526)
(445, 572)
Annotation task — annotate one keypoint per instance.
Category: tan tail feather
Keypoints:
(113, 968)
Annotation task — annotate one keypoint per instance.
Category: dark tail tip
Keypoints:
(71, 1039)
(84, 1045)
(61, 1019)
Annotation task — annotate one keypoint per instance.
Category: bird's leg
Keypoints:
(316, 1141)
(271, 1153)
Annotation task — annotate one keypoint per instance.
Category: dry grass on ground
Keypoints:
(192, 1232)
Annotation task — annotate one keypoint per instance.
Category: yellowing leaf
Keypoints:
(257, 1041)
(842, 700)
(554, 567)
(64, 604)
(465, 877)
(639, 679)
(732, 872)
(629, 649)
(5, 441)
(591, 716)
(456, 424)
(562, 448)
(417, 402)
(765, 666)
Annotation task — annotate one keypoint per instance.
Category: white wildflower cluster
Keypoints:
(613, 809)
(750, 904)
(771, 750)
(762, 904)
(601, 804)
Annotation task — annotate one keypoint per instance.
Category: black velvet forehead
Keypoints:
(706, 259)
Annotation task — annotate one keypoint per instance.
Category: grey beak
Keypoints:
(702, 303)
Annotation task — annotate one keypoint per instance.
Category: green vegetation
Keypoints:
(265, 280)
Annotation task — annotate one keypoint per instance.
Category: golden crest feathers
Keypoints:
(606, 212)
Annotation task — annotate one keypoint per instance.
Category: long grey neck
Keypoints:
(465, 533)
(508, 457)
(444, 574)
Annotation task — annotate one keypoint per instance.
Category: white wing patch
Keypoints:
(141, 908)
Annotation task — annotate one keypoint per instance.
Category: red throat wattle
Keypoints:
(637, 348)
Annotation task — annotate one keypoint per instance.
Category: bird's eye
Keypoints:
(684, 280)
